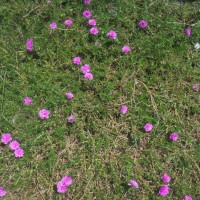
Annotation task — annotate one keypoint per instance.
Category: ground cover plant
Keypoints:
(99, 100)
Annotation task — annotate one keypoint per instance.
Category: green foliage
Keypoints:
(103, 150)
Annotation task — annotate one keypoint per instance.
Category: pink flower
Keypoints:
(53, 25)
(61, 187)
(85, 69)
(2, 192)
(133, 183)
(71, 119)
(77, 60)
(94, 31)
(143, 24)
(112, 34)
(166, 178)
(69, 95)
(188, 31)
(88, 76)
(29, 49)
(148, 127)
(63, 184)
(124, 109)
(68, 22)
(6, 138)
(196, 87)
(86, 1)
(126, 49)
(44, 114)
(14, 145)
(29, 43)
(87, 14)
(19, 153)
(27, 101)
(92, 22)
(187, 197)
(67, 180)
(164, 190)
(173, 137)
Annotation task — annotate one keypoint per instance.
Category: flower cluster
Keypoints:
(164, 190)
(66, 181)
(85, 69)
(14, 145)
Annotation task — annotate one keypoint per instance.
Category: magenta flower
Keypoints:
(148, 127)
(188, 31)
(164, 190)
(124, 109)
(77, 60)
(166, 178)
(44, 114)
(92, 22)
(71, 119)
(19, 153)
(86, 1)
(195, 87)
(29, 49)
(85, 69)
(14, 145)
(69, 95)
(53, 25)
(6, 138)
(29, 45)
(143, 24)
(67, 180)
(2, 192)
(88, 76)
(133, 183)
(187, 197)
(94, 31)
(27, 101)
(173, 137)
(68, 22)
(61, 187)
(87, 14)
(112, 34)
(63, 184)
(126, 49)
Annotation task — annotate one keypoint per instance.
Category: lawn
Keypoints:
(100, 148)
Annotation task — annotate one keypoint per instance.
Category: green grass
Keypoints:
(103, 150)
